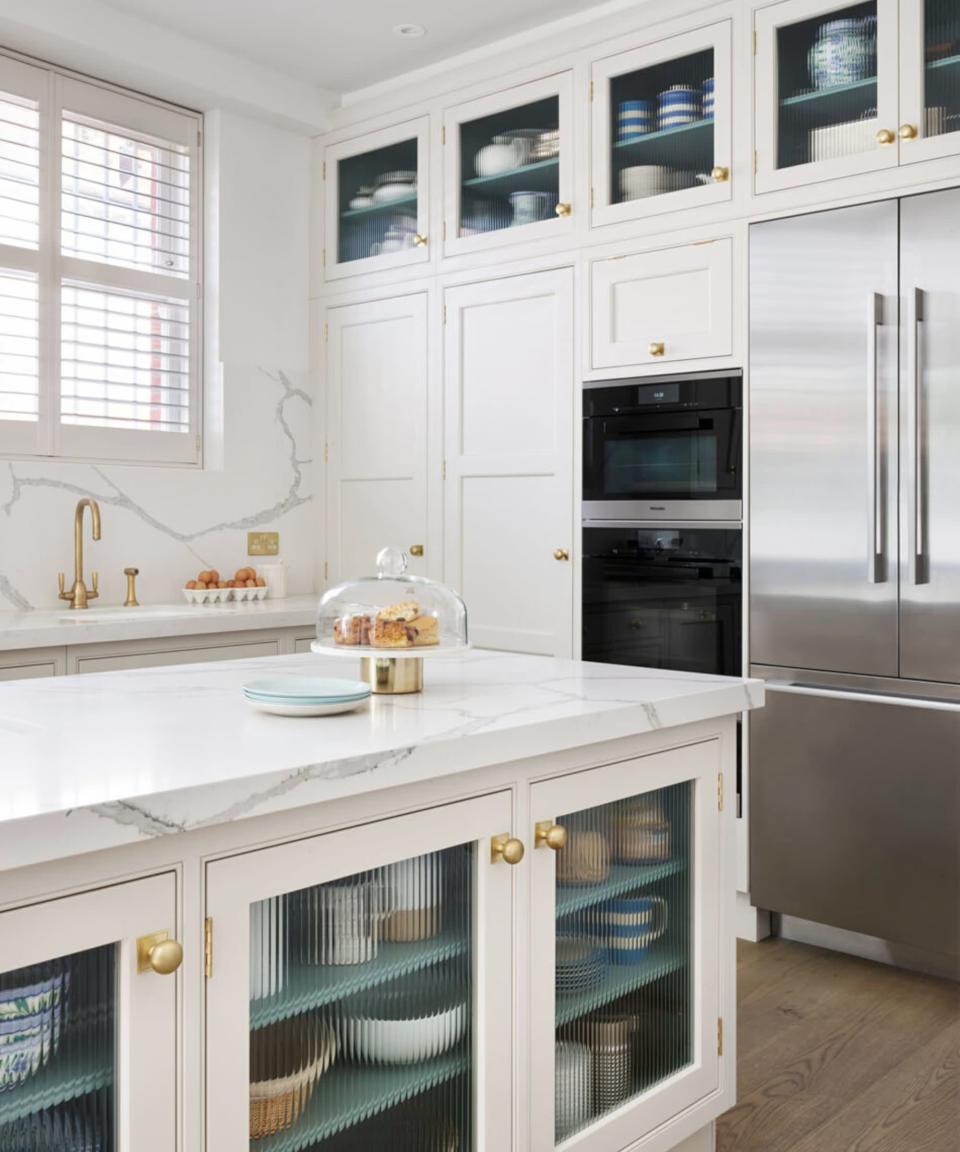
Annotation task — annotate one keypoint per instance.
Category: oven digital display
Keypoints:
(659, 394)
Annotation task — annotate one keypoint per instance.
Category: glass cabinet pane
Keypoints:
(662, 128)
(58, 1054)
(623, 953)
(361, 1008)
(942, 67)
(377, 206)
(827, 98)
(510, 168)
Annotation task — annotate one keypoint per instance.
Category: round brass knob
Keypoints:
(551, 836)
(563, 209)
(166, 957)
(885, 136)
(561, 554)
(420, 241)
(719, 174)
(657, 348)
(908, 132)
(506, 848)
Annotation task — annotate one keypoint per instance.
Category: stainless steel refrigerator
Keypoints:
(855, 569)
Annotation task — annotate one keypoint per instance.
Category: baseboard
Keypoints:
(867, 947)
(753, 924)
(702, 1141)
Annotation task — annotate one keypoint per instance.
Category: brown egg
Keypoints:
(214, 576)
(204, 576)
(251, 583)
(261, 583)
(240, 574)
(190, 584)
(221, 583)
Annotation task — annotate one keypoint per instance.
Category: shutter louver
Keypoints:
(19, 346)
(19, 172)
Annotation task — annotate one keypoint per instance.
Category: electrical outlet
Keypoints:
(263, 543)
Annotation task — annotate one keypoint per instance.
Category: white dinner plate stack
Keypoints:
(573, 1088)
(306, 695)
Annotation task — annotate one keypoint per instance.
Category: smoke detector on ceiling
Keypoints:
(409, 30)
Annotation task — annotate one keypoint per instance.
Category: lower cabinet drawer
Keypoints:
(28, 671)
(660, 307)
(120, 662)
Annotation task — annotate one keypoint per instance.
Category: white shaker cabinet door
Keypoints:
(376, 433)
(661, 307)
(508, 506)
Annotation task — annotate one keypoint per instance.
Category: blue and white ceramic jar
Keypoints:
(844, 52)
(679, 104)
(707, 94)
(634, 118)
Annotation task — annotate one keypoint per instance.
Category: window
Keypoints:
(99, 271)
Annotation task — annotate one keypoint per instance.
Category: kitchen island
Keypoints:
(524, 876)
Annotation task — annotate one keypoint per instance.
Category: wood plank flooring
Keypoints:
(838, 1054)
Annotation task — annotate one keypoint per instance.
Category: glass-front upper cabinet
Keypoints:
(826, 91)
(88, 1021)
(929, 80)
(377, 201)
(360, 990)
(508, 166)
(661, 126)
(624, 985)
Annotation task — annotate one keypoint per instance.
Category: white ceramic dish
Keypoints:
(277, 709)
(405, 1041)
(308, 689)
(222, 595)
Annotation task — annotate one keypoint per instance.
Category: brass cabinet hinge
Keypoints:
(443, 134)
(443, 230)
(443, 470)
(591, 89)
(326, 452)
(591, 198)
(755, 161)
(719, 1035)
(323, 257)
(326, 332)
(720, 791)
(444, 313)
(208, 947)
(324, 169)
(326, 570)
(754, 43)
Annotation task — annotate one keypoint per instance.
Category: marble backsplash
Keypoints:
(171, 522)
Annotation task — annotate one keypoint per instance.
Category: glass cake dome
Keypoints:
(393, 614)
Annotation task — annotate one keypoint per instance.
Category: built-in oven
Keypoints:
(664, 448)
(662, 594)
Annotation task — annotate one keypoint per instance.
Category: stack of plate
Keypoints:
(306, 695)
(579, 964)
(573, 1089)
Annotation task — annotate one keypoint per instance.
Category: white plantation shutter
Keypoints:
(99, 271)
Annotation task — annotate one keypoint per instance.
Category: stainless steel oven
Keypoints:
(662, 449)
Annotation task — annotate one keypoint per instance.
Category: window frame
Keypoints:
(56, 90)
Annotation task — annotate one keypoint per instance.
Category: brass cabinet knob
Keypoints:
(550, 835)
(885, 136)
(657, 348)
(561, 554)
(506, 848)
(908, 132)
(420, 241)
(719, 174)
(416, 549)
(563, 209)
(159, 953)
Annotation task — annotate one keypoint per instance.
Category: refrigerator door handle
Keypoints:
(916, 511)
(875, 521)
(793, 688)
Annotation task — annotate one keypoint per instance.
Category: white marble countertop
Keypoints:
(94, 761)
(48, 628)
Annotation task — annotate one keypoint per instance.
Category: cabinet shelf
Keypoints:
(623, 877)
(313, 986)
(538, 177)
(685, 140)
(63, 1079)
(384, 209)
(945, 62)
(618, 980)
(833, 105)
(350, 1093)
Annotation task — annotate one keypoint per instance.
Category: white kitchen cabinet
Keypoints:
(625, 1012)
(365, 986)
(508, 451)
(509, 166)
(376, 433)
(115, 658)
(662, 307)
(377, 201)
(826, 95)
(96, 1066)
(661, 118)
(929, 80)
(30, 664)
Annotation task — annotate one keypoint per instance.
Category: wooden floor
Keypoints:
(838, 1054)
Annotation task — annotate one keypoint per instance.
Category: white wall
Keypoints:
(259, 470)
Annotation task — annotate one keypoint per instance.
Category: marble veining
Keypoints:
(133, 756)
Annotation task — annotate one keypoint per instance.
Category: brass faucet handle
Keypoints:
(131, 600)
(61, 581)
(95, 577)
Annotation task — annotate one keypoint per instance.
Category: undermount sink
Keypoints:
(113, 615)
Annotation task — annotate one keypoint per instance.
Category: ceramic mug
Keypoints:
(844, 52)
(634, 118)
(529, 207)
(679, 104)
(347, 923)
(413, 898)
(630, 925)
(502, 154)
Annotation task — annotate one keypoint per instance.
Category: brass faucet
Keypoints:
(78, 594)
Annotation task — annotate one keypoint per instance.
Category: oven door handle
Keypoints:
(653, 424)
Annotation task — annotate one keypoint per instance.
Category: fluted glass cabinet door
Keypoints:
(87, 1039)
(929, 80)
(377, 201)
(363, 1003)
(509, 166)
(625, 908)
(826, 94)
(661, 126)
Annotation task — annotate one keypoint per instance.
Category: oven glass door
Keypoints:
(662, 456)
(663, 596)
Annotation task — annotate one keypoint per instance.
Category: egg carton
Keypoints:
(222, 595)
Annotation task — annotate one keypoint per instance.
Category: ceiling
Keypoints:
(342, 46)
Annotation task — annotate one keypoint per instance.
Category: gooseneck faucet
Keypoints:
(78, 594)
